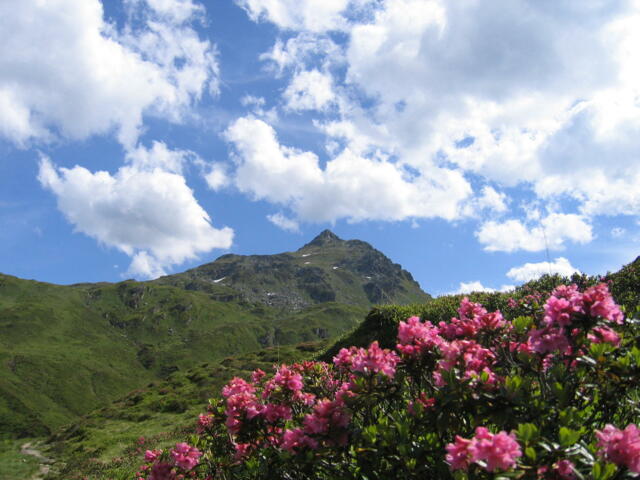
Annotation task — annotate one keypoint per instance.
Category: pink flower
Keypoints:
(272, 412)
(621, 447)
(152, 455)
(604, 334)
(565, 469)
(370, 361)
(598, 302)
(328, 416)
(204, 422)
(236, 386)
(295, 440)
(458, 455)
(257, 375)
(242, 450)
(498, 451)
(473, 318)
(417, 338)
(186, 456)
(548, 340)
(162, 471)
(284, 379)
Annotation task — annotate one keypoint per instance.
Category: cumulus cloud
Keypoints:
(536, 95)
(216, 176)
(532, 271)
(551, 232)
(146, 212)
(65, 71)
(476, 286)
(312, 15)
(350, 186)
(310, 90)
(283, 222)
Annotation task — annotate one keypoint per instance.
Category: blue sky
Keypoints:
(471, 142)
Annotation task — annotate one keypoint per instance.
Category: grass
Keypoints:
(13, 464)
(107, 444)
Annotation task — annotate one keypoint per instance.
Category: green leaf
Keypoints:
(568, 437)
(526, 432)
(531, 453)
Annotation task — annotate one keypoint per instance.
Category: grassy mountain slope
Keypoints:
(103, 445)
(107, 442)
(66, 350)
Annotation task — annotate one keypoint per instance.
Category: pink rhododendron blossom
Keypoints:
(417, 338)
(272, 412)
(621, 447)
(204, 422)
(257, 375)
(242, 451)
(598, 302)
(327, 416)
(152, 455)
(162, 471)
(372, 360)
(472, 358)
(604, 334)
(295, 440)
(499, 451)
(473, 318)
(237, 385)
(284, 379)
(548, 340)
(186, 456)
(458, 455)
(565, 469)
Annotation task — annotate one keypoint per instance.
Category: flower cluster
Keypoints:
(375, 412)
(621, 447)
(368, 361)
(497, 451)
(180, 463)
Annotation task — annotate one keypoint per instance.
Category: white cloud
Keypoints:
(551, 232)
(217, 177)
(177, 11)
(540, 95)
(351, 186)
(65, 71)
(148, 213)
(476, 286)
(285, 223)
(310, 90)
(532, 271)
(618, 232)
(159, 156)
(302, 50)
(312, 15)
(488, 200)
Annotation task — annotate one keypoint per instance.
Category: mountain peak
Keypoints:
(325, 237)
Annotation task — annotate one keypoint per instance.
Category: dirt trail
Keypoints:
(28, 449)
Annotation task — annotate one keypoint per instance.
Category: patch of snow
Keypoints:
(307, 263)
(306, 254)
(219, 280)
(335, 268)
(368, 278)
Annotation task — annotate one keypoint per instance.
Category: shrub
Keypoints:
(548, 391)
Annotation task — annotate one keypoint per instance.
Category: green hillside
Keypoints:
(66, 350)
(105, 443)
